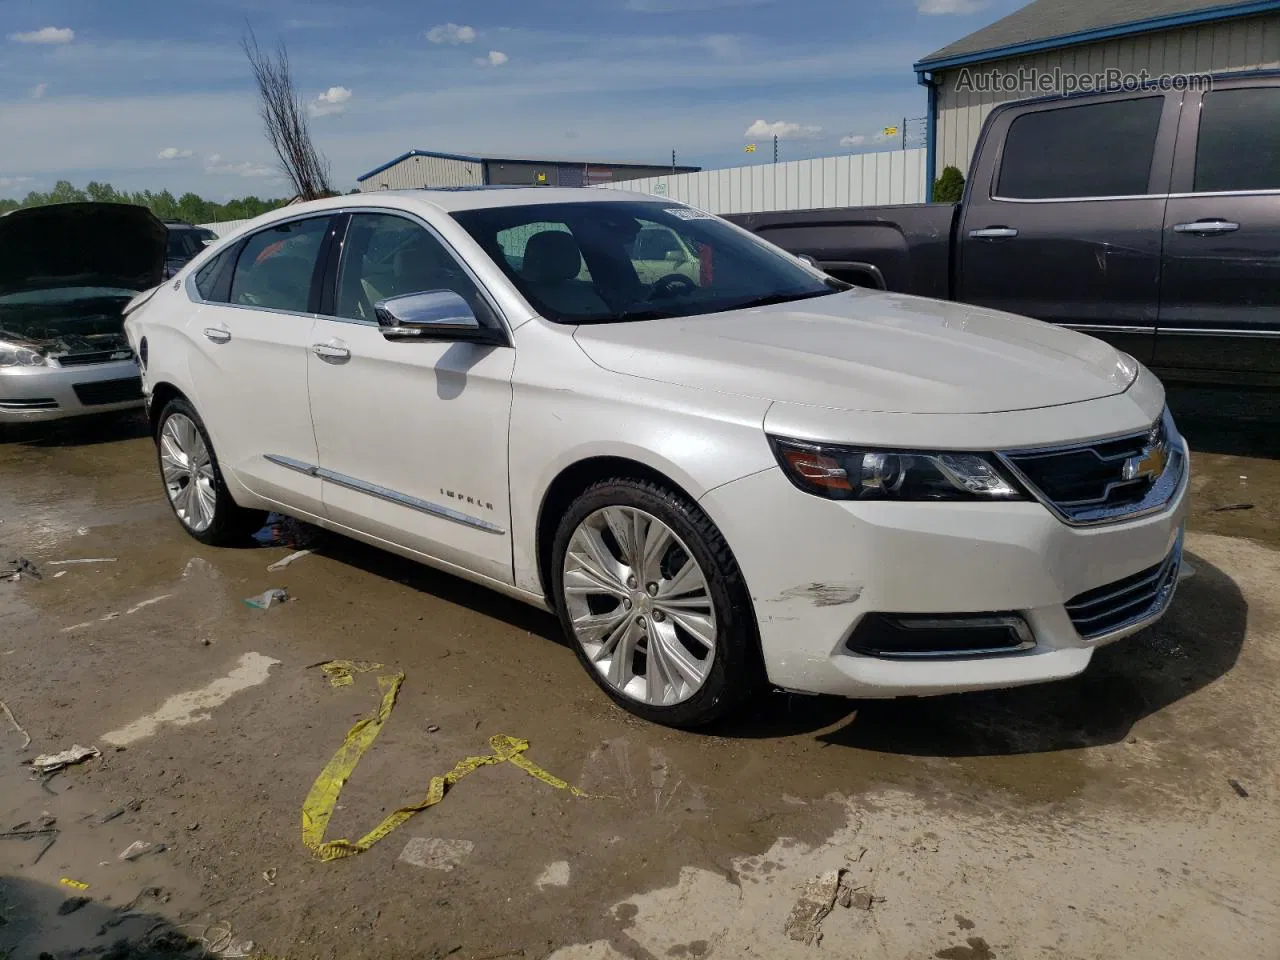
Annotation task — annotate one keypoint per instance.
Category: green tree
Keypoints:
(101, 192)
(949, 187)
(189, 206)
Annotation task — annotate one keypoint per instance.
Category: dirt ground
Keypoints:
(1131, 812)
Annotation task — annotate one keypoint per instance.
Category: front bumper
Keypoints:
(31, 394)
(816, 567)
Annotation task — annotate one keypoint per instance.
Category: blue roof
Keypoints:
(465, 158)
(1053, 24)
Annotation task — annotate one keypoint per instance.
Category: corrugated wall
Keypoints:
(847, 181)
(226, 227)
(413, 172)
(1245, 44)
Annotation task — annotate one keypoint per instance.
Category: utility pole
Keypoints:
(775, 148)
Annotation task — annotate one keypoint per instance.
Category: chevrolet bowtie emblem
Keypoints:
(1149, 464)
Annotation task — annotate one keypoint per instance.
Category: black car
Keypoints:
(185, 241)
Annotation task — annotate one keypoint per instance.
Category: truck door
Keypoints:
(1064, 215)
(1220, 296)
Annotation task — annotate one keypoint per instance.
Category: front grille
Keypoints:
(1115, 606)
(109, 391)
(98, 356)
(1107, 480)
(37, 403)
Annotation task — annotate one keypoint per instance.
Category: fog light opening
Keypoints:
(943, 636)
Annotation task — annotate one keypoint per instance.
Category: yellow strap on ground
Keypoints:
(320, 802)
(341, 673)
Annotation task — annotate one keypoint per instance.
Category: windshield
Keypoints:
(66, 295)
(599, 262)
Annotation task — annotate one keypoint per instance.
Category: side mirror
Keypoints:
(674, 256)
(434, 315)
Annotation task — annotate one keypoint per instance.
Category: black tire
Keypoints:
(232, 524)
(737, 670)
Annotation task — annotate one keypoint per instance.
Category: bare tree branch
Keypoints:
(284, 120)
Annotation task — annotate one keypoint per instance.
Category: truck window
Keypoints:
(1239, 143)
(1093, 150)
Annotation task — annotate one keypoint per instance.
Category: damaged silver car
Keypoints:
(67, 271)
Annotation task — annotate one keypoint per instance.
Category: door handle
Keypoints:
(1206, 228)
(217, 334)
(330, 353)
(994, 233)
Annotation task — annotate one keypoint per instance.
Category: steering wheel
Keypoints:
(672, 285)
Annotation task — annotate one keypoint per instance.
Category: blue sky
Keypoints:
(156, 93)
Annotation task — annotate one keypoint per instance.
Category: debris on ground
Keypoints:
(1230, 507)
(1240, 791)
(817, 897)
(51, 762)
(218, 939)
(72, 904)
(19, 833)
(4, 708)
(342, 673)
(60, 573)
(198, 565)
(846, 890)
(433, 728)
(282, 531)
(64, 563)
(74, 884)
(265, 600)
(270, 876)
(135, 850)
(20, 568)
(556, 875)
(436, 854)
(296, 555)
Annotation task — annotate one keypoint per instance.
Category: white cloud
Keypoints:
(451, 33)
(333, 100)
(783, 130)
(215, 164)
(45, 35)
(723, 45)
(942, 8)
(173, 153)
(7, 183)
(496, 58)
(38, 91)
(688, 6)
(853, 140)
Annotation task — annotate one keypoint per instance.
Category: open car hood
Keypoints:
(81, 245)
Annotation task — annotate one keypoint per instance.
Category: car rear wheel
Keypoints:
(650, 594)
(193, 482)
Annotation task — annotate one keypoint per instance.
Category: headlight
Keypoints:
(850, 473)
(16, 355)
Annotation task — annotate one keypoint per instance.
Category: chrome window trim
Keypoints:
(1206, 332)
(1192, 195)
(1105, 328)
(384, 493)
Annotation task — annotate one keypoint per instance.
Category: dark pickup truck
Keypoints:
(1150, 219)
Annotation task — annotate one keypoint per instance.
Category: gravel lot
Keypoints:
(1129, 813)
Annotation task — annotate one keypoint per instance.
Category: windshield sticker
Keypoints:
(688, 213)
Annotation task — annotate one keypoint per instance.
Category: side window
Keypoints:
(208, 275)
(389, 256)
(1093, 150)
(1239, 143)
(275, 266)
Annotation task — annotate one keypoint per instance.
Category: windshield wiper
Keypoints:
(770, 299)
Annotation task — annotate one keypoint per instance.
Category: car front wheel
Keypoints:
(652, 597)
(193, 482)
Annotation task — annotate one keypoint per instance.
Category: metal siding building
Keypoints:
(1086, 37)
(424, 168)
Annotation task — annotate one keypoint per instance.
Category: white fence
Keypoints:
(863, 179)
(226, 226)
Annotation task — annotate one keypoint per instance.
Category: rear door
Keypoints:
(1220, 299)
(1064, 216)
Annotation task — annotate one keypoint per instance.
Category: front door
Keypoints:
(252, 334)
(412, 434)
(1063, 222)
(1220, 303)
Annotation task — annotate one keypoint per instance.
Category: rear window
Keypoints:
(1093, 150)
(1239, 143)
(276, 265)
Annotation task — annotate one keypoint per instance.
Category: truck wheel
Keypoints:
(193, 482)
(653, 600)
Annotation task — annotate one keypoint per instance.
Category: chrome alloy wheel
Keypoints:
(188, 472)
(640, 606)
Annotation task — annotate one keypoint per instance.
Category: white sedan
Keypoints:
(737, 473)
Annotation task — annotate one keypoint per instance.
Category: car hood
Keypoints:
(81, 245)
(868, 351)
